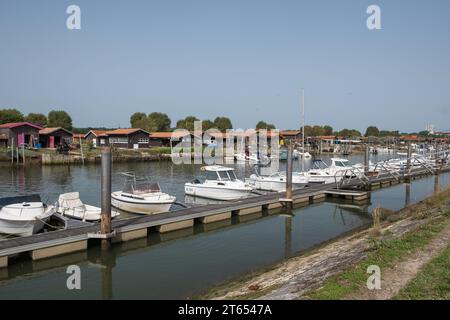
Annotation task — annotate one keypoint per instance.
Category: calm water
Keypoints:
(183, 263)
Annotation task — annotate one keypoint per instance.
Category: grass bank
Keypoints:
(338, 270)
(386, 254)
(432, 283)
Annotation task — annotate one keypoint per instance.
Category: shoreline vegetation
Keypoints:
(411, 247)
(51, 157)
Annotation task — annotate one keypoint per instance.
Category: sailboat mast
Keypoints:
(303, 130)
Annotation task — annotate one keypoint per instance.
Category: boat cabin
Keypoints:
(219, 173)
(338, 162)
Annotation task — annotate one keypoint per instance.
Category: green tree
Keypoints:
(187, 123)
(318, 131)
(207, 124)
(264, 125)
(159, 122)
(327, 130)
(10, 115)
(372, 131)
(308, 131)
(386, 133)
(137, 118)
(424, 133)
(37, 118)
(348, 133)
(59, 118)
(223, 123)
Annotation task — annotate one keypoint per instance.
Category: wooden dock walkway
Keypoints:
(59, 242)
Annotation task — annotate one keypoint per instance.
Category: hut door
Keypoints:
(52, 141)
(20, 139)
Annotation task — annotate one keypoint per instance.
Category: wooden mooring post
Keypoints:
(12, 151)
(367, 186)
(288, 199)
(407, 194)
(366, 159)
(105, 227)
(408, 164)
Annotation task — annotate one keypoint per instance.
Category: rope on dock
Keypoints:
(49, 225)
(181, 204)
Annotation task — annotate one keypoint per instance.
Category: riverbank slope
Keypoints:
(410, 239)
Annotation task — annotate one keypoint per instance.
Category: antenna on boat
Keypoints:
(303, 130)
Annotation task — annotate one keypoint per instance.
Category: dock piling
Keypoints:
(407, 194)
(106, 196)
(366, 159)
(289, 178)
(408, 163)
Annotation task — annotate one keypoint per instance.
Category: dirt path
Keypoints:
(397, 277)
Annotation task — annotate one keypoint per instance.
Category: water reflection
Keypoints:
(182, 263)
(287, 236)
(436, 183)
(407, 194)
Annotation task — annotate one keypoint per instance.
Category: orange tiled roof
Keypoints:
(409, 137)
(290, 132)
(18, 124)
(126, 131)
(51, 130)
(168, 135)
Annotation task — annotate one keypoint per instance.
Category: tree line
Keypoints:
(158, 121)
(55, 118)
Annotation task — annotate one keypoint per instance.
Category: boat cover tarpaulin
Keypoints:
(19, 199)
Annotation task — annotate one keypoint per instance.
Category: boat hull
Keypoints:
(216, 192)
(277, 186)
(25, 227)
(19, 228)
(90, 213)
(140, 207)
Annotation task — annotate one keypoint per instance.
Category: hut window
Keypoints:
(118, 140)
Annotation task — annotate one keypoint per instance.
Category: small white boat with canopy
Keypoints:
(221, 183)
(23, 215)
(276, 181)
(339, 168)
(140, 195)
(70, 205)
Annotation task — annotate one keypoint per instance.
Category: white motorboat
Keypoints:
(23, 215)
(304, 155)
(241, 157)
(70, 205)
(276, 181)
(221, 183)
(284, 154)
(334, 173)
(141, 196)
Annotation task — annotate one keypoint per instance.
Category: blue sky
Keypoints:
(245, 59)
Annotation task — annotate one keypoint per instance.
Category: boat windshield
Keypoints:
(211, 175)
(340, 164)
(232, 175)
(227, 175)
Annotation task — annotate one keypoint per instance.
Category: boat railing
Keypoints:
(386, 170)
(348, 175)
